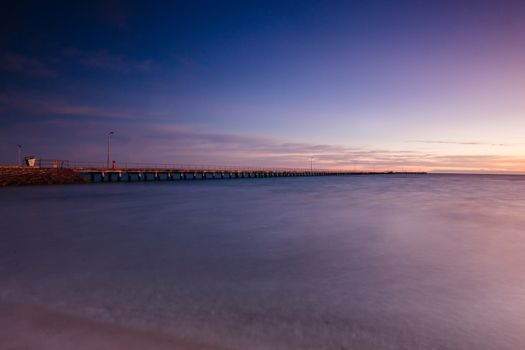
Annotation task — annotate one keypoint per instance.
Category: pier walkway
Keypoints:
(139, 172)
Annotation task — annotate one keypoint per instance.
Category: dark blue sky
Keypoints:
(430, 84)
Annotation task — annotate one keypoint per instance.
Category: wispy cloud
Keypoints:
(104, 60)
(175, 143)
(21, 64)
(468, 143)
(169, 143)
(42, 106)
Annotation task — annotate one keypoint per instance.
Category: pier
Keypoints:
(144, 172)
(148, 174)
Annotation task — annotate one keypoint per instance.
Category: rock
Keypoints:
(17, 176)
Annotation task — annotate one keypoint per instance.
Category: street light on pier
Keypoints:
(19, 152)
(311, 164)
(109, 146)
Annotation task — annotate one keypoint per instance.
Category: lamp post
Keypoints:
(109, 147)
(311, 164)
(19, 152)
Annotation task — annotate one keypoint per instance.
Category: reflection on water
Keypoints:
(367, 262)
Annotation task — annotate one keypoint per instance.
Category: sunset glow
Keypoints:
(439, 87)
(262, 174)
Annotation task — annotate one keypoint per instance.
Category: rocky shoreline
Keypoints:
(21, 176)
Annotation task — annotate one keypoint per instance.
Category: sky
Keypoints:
(363, 85)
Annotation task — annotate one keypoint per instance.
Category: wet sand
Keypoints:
(31, 327)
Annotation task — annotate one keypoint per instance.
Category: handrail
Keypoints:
(57, 163)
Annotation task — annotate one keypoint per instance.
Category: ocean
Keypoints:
(351, 262)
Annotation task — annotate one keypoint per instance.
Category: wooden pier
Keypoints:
(132, 175)
(142, 172)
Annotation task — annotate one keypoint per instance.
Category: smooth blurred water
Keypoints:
(358, 262)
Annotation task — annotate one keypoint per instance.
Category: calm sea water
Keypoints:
(362, 262)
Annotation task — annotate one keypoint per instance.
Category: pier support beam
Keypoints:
(116, 175)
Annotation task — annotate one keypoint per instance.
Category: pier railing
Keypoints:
(142, 172)
(56, 163)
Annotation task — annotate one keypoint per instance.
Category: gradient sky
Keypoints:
(415, 85)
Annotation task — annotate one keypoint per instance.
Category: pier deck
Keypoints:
(152, 174)
(140, 172)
